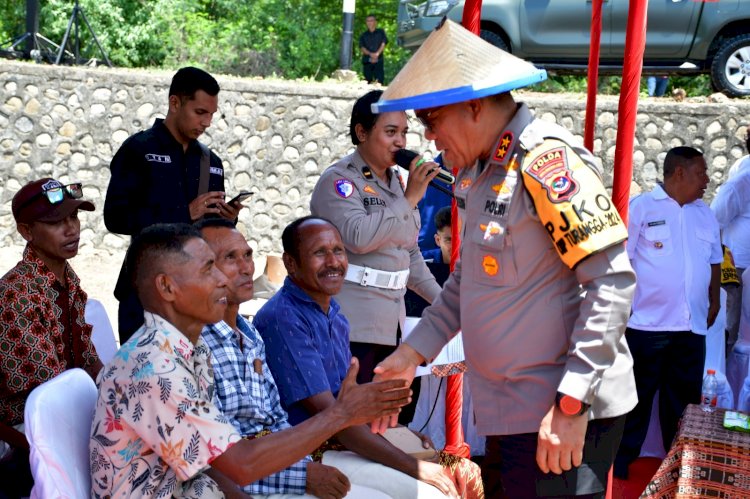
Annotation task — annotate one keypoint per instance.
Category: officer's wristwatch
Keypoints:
(570, 406)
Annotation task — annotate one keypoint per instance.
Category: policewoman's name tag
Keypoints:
(571, 202)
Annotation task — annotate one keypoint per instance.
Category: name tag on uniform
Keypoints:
(158, 158)
(657, 222)
(215, 170)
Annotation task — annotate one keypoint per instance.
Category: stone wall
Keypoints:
(275, 137)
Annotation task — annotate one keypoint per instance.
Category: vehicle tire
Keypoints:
(730, 69)
(494, 39)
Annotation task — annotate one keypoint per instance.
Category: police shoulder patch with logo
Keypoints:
(344, 187)
(571, 202)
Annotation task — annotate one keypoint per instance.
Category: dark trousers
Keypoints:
(373, 72)
(671, 362)
(369, 356)
(129, 316)
(509, 468)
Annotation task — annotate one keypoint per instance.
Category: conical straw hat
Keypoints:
(454, 65)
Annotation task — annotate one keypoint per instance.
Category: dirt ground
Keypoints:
(97, 269)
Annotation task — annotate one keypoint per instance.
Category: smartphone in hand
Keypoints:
(243, 195)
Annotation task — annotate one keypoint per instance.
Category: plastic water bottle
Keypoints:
(709, 392)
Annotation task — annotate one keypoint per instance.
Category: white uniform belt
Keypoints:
(366, 276)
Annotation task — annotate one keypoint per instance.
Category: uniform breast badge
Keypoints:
(490, 266)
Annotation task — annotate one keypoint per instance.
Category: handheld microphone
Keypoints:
(404, 157)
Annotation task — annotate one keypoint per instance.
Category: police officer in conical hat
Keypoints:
(543, 286)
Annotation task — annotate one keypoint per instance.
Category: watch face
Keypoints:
(570, 405)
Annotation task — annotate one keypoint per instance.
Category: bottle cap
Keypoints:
(711, 371)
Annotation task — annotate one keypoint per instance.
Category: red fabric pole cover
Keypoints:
(593, 74)
(635, 44)
(454, 433)
(472, 15)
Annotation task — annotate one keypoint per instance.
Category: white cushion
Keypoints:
(58, 420)
(102, 336)
(362, 471)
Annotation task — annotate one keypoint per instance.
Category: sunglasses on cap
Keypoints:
(56, 193)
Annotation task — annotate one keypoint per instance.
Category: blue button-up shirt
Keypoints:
(307, 349)
(248, 397)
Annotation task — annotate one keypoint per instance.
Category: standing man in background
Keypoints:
(372, 44)
(674, 247)
(732, 209)
(164, 175)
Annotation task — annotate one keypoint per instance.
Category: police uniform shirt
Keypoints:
(532, 325)
(671, 248)
(379, 230)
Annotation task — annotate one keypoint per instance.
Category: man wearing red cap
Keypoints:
(42, 327)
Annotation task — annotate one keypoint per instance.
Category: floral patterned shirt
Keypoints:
(155, 427)
(34, 344)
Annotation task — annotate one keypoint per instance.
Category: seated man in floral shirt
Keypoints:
(42, 327)
(156, 430)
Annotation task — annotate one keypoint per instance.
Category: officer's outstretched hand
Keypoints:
(560, 443)
(401, 364)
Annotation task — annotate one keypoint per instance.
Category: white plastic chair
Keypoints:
(103, 336)
(58, 420)
(738, 363)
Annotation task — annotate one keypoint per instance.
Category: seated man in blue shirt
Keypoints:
(245, 390)
(308, 351)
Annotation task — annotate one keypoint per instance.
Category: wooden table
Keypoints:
(706, 460)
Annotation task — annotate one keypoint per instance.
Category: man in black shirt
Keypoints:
(372, 43)
(164, 175)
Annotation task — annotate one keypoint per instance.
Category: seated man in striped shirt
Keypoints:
(251, 401)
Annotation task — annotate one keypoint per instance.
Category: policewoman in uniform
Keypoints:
(365, 197)
(543, 287)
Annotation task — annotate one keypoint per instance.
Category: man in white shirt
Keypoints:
(675, 250)
(732, 209)
(743, 162)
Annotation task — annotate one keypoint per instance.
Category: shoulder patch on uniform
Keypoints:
(370, 190)
(344, 187)
(571, 202)
(552, 171)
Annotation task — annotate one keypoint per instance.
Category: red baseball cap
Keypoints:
(47, 200)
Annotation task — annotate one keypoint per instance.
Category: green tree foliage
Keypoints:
(285, 38)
